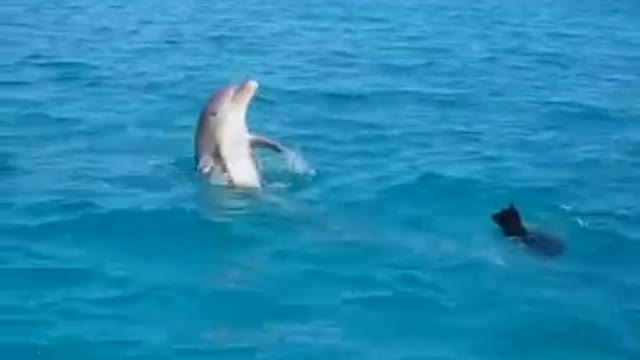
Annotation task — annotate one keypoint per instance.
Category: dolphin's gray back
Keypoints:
(205, 131)
(205, 144)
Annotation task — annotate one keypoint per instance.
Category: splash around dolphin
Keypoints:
(224, 147)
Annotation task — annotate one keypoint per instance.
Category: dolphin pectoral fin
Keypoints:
(261, 141)
(208, 167)
(206, 164)
(256, 160)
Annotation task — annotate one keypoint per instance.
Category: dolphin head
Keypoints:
(228, 107)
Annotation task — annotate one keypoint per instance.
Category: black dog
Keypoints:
(511, 224)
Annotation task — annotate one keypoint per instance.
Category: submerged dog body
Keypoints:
(510, 222)
(224, 147)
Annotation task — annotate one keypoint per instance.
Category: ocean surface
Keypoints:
(413, 122)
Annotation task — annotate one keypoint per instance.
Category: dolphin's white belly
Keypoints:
(240, 164)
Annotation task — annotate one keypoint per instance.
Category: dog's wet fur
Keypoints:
(510, 222)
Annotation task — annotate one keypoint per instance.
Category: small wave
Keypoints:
(582, 223)
(566, 207)
(352, 94)
(24, 276)
(14, 82)
(62, 64)
(7, 164)
(407, 65)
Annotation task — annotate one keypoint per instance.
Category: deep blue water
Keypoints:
(419, 118)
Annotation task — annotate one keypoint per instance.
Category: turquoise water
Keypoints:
(418, 119)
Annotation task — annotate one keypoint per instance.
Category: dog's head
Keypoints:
(509, 221)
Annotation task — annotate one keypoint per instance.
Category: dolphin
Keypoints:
(224, 147)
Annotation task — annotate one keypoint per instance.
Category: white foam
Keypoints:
(297, 163)
(581, 223)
